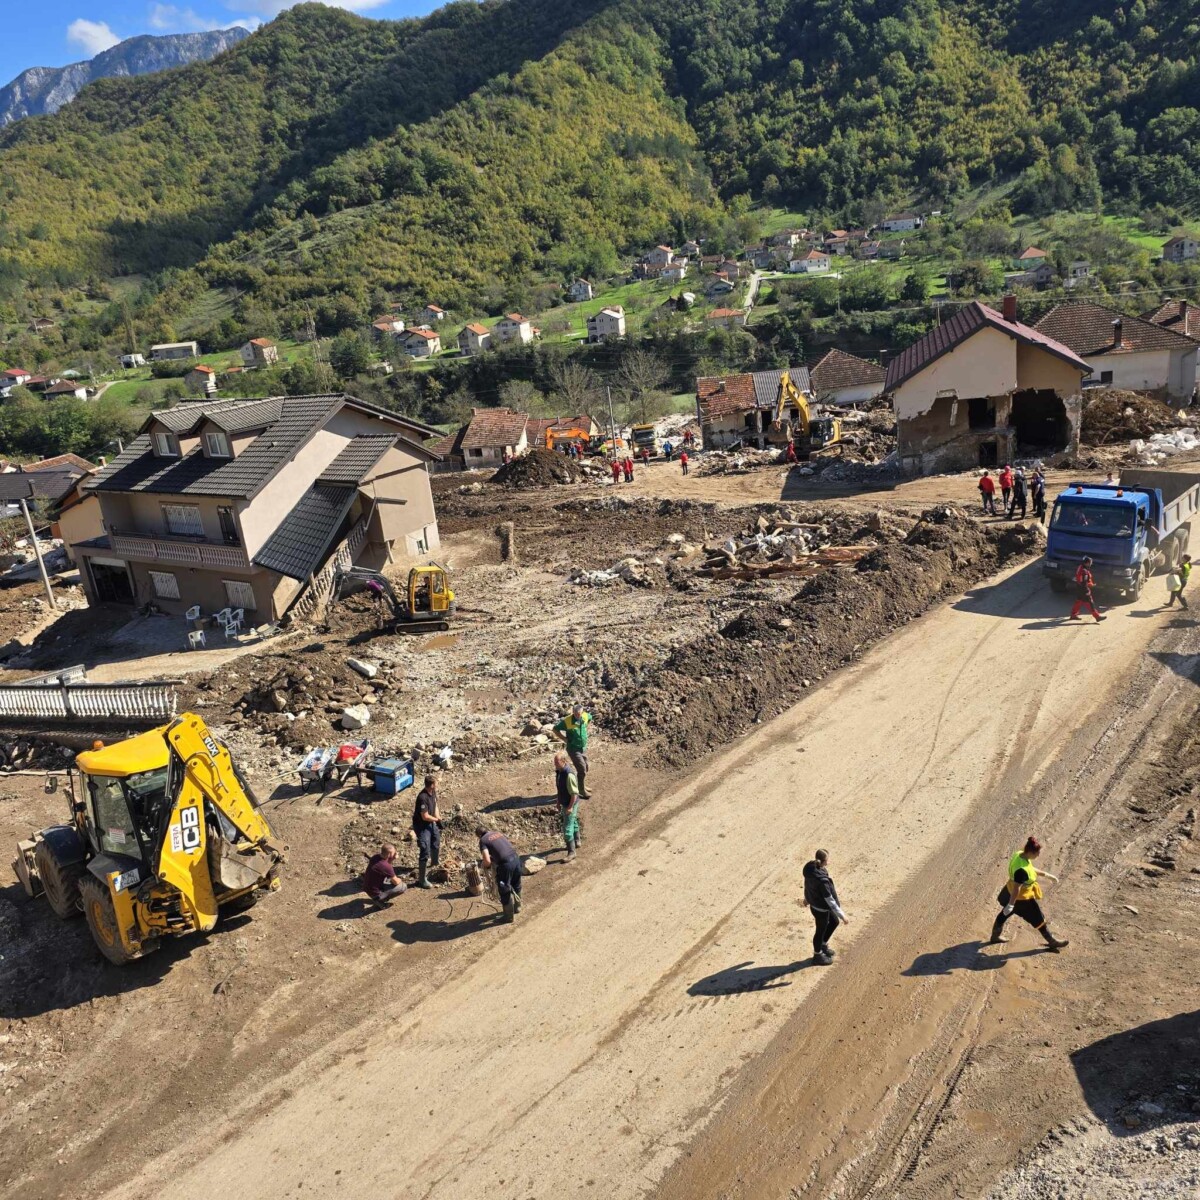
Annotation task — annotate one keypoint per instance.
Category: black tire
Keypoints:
(1058, 585)
(240, 905)
(60, 881)
(1139, 583)
(102, 920)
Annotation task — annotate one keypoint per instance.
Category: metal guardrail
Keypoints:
(88, 701)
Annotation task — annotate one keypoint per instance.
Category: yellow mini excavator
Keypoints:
(793, 421)
(165, 836)
(427, 604)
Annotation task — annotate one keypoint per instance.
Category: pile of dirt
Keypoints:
(709, 691)
(538, 468)
(1111, 415)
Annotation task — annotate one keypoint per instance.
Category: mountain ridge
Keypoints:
(37, 91)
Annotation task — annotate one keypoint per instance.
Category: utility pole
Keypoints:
(612, 422)
(37, 552)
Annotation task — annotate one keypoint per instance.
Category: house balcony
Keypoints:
(179, 551)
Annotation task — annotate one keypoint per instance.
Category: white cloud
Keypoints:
(170, 18)
(91, 36)
(272, 8)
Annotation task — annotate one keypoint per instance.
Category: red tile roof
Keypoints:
(1088, 329)
(494, 427)
(60, 461)
(478, 330)
(1032, 252)
(535, 430)
(719, 314)
(264, 343)
(837, 369)
(1180, 316)
(969, 320)
(811, 255)
(723, 396)
(204, 369)
(434, 308)
(520, 320)
(427, 334)
(450, 445)
(15, 372)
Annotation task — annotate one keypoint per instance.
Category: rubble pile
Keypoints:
(538, 468)
(738, 461)
(1161, 446)
(25, 754)
(775, 546)
(1111, 415)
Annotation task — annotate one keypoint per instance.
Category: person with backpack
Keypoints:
(821, 899)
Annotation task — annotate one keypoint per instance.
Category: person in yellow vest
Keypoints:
(1021, 895)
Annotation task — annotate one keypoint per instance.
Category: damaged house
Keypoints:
(738, 409)
(982, 388)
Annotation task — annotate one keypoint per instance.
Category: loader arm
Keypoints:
(207, 776)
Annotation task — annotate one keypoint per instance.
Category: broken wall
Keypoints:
(941, 439)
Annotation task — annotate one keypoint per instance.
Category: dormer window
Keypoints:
(164, 446)
(217, 445)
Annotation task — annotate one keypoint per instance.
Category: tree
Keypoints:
(575, 385)
(643, 376)
(521, 396)
(349, 355)
(916, 286)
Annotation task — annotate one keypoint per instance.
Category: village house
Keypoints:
(431, 312)
(259, 352)
(491, 436)
(660, 256)
(1079, 274)
(474, 339)
(1031, 256)
(387, 326)
(75, 514)
(40, 325)
(837, 245)
(14, 377)
(901, 223)
(690, 249)
(869, 249)
(165, 351)
(237, 503)
(1125, 352)
(720, 286)
(607, 323)
(810, 262)
(579, 291)
(513, 327)
(201, 378)
(1038, 277)
(982, 388)
(842, 378)
(676, 272)
(62, 388)
(1180, 249)
(419, 343)
(727, 318)
(733, 409)
(1179, 316)
(132, 361)
(894, 249)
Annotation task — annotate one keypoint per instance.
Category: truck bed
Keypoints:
(1172, 483)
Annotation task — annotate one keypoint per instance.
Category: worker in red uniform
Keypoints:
(1084, 592)
(627, 467)
(987, 490)
(1006, 483)
(683, 460)
(616, 471)
(790, 454)
(645, 456)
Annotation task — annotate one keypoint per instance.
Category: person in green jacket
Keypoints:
(574, 730)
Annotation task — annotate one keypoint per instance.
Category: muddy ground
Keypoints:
(672, 665)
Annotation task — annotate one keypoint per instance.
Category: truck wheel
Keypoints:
(1176, 553)
(240, 905)
(102, 920)
(1057, 585)
(60, 881)
(1139, 582)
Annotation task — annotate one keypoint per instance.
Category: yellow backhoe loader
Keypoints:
(793, 421)
(427, 604)
(165, 836)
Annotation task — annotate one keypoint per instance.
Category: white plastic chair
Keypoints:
(196, 639)
(222, 618)
(193, 613)
(233, 626)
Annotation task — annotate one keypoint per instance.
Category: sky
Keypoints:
(51, 33)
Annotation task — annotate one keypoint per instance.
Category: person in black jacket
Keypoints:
(821, 899)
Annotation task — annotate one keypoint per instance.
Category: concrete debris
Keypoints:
(531, 865)
(737, 462)
(1160, 446)
(356, 716)
(368, 670)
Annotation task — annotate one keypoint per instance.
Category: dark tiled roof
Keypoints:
(720, 396)
(184, 418)
(245, 417)
(1088, 329)
(967, 321)
(40, 485)
(139, 470)
(306, 534)
(766, 384)
(1180, 316)
(358, 457)
(450, 445)
(837, 369)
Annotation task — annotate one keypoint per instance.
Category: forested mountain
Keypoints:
(329, 159)
(46, 89)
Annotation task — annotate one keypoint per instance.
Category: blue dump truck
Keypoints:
(1130, 530)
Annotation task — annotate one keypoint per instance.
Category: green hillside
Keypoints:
(331, 165)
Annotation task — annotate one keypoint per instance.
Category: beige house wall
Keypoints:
(1042, 371)
(399, 488)
(80, 523)
(142, 512)
(983, 365)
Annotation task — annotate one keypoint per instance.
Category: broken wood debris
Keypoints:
(777, 547)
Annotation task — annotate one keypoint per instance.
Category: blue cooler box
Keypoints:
(393, 775)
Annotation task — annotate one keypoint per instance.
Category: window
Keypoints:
(475, 453)
(239, 594)
(229, 529)
(217, 444)
(1106, 377)
(166, 586)
(164, 445)
(183, 519)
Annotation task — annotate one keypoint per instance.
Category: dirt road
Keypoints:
(585, 1049)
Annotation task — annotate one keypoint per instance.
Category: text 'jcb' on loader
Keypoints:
(165, 836)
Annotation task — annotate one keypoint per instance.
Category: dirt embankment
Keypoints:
(709, 691)
(1111, 416)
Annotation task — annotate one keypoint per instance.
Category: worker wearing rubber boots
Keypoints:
(499, 854)
(427, 826)
(1022, 893)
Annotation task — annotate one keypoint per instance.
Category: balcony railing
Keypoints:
(186, 551)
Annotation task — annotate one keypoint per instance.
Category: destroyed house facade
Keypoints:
(982, 388)
(738, 409)
(237, 504)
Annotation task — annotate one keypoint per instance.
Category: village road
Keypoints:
(585, 1051)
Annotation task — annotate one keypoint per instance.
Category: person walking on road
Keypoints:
(574, 729)
(1175, 587)
(821, 899)
(498, 853)
(1019, 494)
(427, 825)
(1021, 895)
(987, 491)
(1006, 482)
(1085, 592)
(683, 461)
(1037, 493)
(379, 879)
(645, 457)
(566, 784)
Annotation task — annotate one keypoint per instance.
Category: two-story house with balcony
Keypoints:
(238, 503)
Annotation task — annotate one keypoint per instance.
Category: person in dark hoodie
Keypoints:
(821, 899)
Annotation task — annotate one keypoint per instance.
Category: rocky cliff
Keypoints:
(47, 89)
